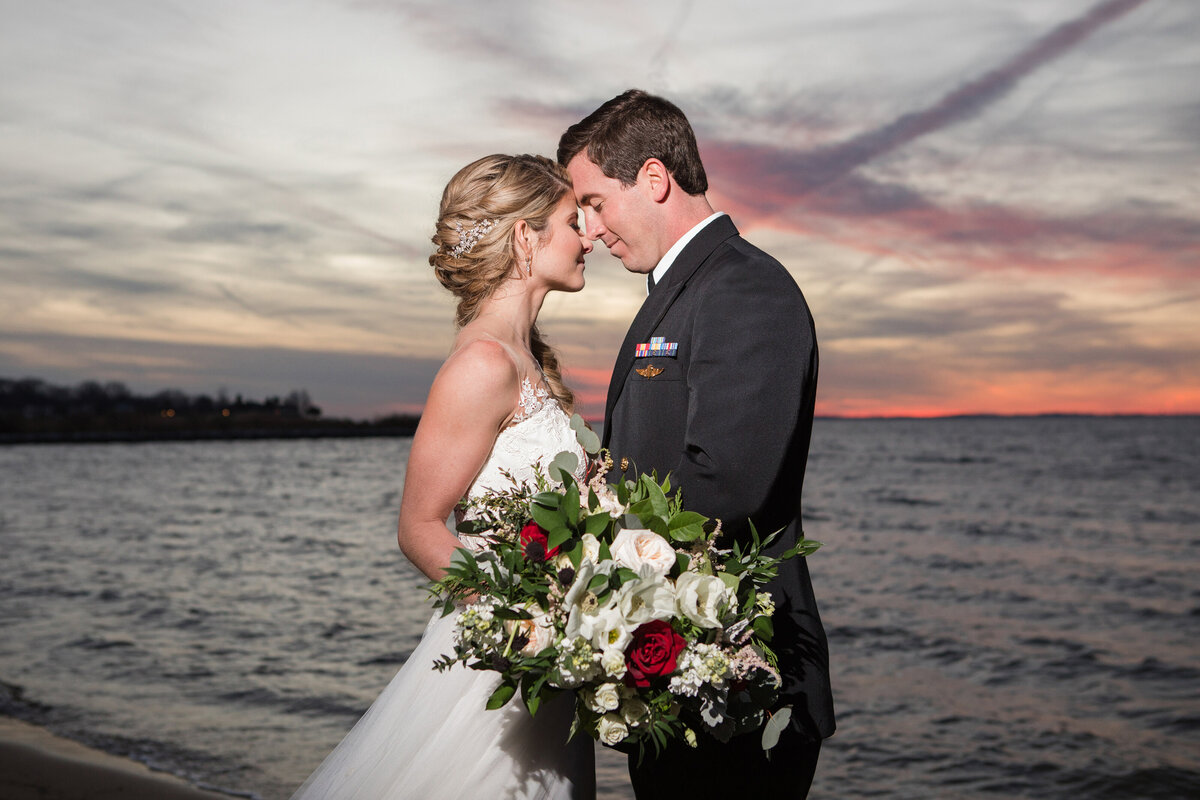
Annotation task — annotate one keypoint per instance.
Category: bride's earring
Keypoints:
(529, 266)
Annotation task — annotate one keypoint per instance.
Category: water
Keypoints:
(1012, 605)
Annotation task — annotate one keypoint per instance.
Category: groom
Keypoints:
(715, 383)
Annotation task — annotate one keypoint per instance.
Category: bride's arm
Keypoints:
(471, 400)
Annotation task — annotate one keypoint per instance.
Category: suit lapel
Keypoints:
(693, 256)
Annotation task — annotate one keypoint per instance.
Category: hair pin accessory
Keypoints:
(469, 237)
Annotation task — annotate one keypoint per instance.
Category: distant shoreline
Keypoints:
(360, 430)
(206, 435)
(1044, 415)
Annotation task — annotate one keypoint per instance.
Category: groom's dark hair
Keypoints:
(622, 134)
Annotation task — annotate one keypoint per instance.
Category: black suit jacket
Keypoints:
(730, 417)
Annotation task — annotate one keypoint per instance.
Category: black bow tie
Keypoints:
(649, 282)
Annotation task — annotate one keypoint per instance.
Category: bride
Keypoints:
(507, 233)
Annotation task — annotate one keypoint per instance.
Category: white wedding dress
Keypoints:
(429, 735)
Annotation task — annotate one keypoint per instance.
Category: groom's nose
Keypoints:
(592, 225)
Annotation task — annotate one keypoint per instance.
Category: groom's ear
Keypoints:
(656, 178)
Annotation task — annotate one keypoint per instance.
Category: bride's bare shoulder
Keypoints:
(479, 374)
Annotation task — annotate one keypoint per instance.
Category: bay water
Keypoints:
(1013, 604)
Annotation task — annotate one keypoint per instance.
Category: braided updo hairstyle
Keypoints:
(503, 189)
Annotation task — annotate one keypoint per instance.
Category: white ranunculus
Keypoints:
(649, 597)
(634, 548)
(602, 625)
(612, 661)
(607, 697)
(612, 729)
(607, 628)
(583, 576)
(700, 598)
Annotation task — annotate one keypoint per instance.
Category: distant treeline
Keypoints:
(32, 410)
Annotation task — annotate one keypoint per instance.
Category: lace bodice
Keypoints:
(540, 430)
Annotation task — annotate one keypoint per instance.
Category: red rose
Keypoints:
(652, 652)
(533, 543)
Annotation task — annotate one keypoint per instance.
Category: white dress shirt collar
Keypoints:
(669, 257)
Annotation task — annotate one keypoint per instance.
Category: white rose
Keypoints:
(633, 548)
(607, 698)
(633, 711)
(611, 729)
(612, 661)
(649, 597)
(538, 632)
(700, 598)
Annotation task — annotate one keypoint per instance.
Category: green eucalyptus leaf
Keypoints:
(775, 726)
(731, 581)
(586, 437)
(567, 462)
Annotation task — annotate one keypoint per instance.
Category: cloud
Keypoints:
(962, 187)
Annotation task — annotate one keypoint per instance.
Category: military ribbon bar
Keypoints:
(657, 346)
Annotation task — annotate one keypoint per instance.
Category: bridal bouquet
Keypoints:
(621, 594)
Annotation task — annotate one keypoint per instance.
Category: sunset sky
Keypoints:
(992, 206)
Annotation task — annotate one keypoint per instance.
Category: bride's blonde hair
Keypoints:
(472, 258)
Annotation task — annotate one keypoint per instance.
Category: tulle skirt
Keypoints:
(429, 736)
